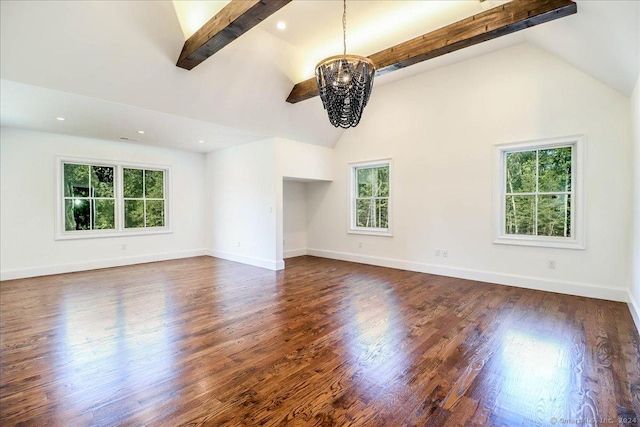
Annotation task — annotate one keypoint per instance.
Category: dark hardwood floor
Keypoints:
(203, 341)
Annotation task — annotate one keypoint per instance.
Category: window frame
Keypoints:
(578, 206)
(91, 198)
(119, 230)
(144, 197)
(352, 228)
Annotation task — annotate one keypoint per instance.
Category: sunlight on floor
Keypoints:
(536, 375)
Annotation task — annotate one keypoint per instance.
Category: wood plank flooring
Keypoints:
(203, 341)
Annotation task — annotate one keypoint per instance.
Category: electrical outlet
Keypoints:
(552, 264)
(360, 245)
(123, 247)
(238, 243)
(437, 252)
(445, 253)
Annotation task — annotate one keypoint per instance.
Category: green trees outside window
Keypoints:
(89, 202)
(539, 192)
(89, 197)
(372, 197)
(143, 192)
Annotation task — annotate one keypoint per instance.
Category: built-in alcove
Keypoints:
(299, 201)
(294, 209)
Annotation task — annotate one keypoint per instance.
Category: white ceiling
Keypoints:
(372, 26)
(33, 107)
(109, 67)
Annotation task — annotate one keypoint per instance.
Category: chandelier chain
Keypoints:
(344, 25)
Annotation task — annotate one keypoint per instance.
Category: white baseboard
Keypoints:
(634, 308)
(294, 253)
(92, 265)
(564, 287)
(559, 286)
(270, 264)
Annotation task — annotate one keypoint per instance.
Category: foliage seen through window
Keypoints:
(89, 202)
(538, 192)
(143, 192)
(372, 197)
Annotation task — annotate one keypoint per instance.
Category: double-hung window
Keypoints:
(143, 198)
(100, 199)
(89, 197)
(540, 199)
(370, 211)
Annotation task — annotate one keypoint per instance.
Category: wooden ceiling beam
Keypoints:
(235, 19)
(490, 24)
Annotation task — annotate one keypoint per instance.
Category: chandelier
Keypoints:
(344, 83)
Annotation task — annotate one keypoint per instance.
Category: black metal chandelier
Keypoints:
(344, 83)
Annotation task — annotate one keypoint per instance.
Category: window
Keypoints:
(370, 198)
(540, 200)
(99, 199)
(143, 198)
(89, 200)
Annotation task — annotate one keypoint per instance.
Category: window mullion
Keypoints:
(144, 201)
(522, 194)
(118, 192)
(91, 220)
(573, 175)
(354, 197)
(554, 193)
(372, 201)
(535, 214)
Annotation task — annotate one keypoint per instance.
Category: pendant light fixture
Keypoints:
(344, 83)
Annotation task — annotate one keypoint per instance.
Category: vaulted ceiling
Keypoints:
(109, 67)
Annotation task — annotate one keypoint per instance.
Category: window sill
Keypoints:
(540, 242)
(103, 234)
(372, 232)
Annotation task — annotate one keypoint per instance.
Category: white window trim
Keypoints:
(352, 229)
(578, 211)
(119, 231)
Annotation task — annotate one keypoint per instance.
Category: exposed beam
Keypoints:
(235, 19)
(490, 24)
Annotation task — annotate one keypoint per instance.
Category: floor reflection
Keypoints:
(376, 331)
(536, 376)
(116, 345)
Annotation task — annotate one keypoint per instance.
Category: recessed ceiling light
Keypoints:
(141, 131)
(281, 25)
(60, 118)
(201, 142)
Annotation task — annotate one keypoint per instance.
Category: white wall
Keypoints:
(635, 252)
(440, 128)
(245, 192)
(28, 203)
(241, 188)
(294, 209)
(304, 161)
